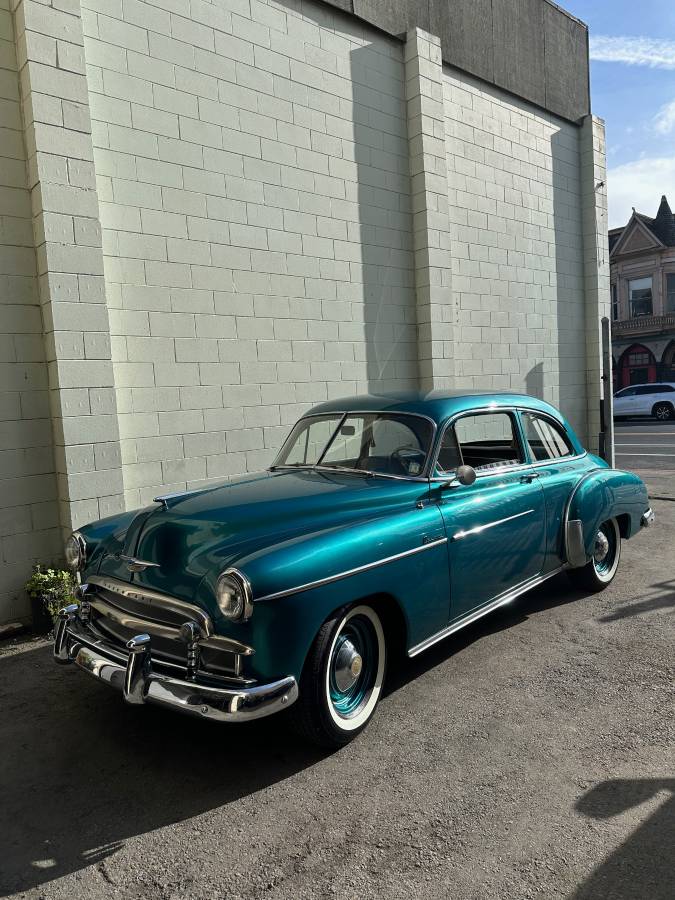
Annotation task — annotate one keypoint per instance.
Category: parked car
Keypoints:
(657, 400)
(384, 523)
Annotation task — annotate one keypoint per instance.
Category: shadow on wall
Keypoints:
(644, 865)
(385, 222)
(567, 284)
(534, 381)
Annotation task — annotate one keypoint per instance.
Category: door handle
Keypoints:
(529, 478)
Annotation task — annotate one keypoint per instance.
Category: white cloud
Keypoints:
(664, 121)
(656, 53)
(640, 184)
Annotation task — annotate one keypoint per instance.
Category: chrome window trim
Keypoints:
(474, 615)
(502, 469)
(424, 476)
(320, 582)
(460, 535)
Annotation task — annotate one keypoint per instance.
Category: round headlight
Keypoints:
(233, 594)
(75, 552)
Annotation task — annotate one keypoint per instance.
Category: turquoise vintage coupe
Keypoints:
(385, 524)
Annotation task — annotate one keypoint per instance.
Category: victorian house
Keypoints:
(642, 261)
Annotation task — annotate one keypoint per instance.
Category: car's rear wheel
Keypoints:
(662, 412)
(597, 574)
(343, 676)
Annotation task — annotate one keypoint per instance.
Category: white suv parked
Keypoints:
(657, 400)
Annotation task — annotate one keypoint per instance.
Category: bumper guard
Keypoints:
(647, 519)
(138, 683)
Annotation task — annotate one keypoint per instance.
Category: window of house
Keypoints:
(639, 359)
(640, 293)
(615, 303)
(545, 439)
(670, 292)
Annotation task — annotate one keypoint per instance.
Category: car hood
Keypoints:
(206, 531)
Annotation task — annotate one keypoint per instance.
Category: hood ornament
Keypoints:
(137, 565)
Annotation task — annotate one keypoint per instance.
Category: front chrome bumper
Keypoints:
(647, 519)
(133, 675)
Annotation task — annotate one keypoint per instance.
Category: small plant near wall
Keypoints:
(49, 591)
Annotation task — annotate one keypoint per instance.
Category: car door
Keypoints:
(495, 526)
(645, 397)
(625, 401)
(559, 466)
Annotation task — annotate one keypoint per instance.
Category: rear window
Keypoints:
(545, 438)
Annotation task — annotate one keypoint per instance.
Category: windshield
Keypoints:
(379, 443)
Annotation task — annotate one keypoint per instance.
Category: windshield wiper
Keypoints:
(337, 468)
(291, 466)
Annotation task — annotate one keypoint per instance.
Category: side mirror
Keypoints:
(466, 475)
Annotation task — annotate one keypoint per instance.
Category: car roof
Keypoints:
(650, 384)
(437, 405)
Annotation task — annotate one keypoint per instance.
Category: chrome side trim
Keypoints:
(346, 574)
(476, 614)
(155, 598)
(477, 530)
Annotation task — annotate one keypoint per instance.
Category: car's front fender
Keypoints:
(599, 495)
(298, 583)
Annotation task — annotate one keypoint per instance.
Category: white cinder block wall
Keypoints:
(252, 172)
(28, 508)
(517, 245)
(243, 207)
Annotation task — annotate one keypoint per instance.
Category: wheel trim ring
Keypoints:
(606, 567)
(363, 712)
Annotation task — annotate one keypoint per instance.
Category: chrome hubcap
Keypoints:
(601, 547)
(347, 667)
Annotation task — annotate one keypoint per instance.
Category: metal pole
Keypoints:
(606, 441)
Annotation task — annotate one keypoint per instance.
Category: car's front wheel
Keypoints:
(343, 676)
(663, 412)
(600, 571)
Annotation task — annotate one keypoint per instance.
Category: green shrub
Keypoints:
(55, 587)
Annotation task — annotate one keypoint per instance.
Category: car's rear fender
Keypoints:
(599, 495)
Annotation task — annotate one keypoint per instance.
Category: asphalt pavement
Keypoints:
(528, 756)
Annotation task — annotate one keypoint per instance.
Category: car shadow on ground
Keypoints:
(644, 864)
(82, 772)
(663, 598)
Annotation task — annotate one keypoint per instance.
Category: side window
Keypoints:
(488, 441)
(664, 389)
(647, 389)
(626, 392)
(546, 439)
(448, 456)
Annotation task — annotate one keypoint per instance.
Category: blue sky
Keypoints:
(633, 89)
